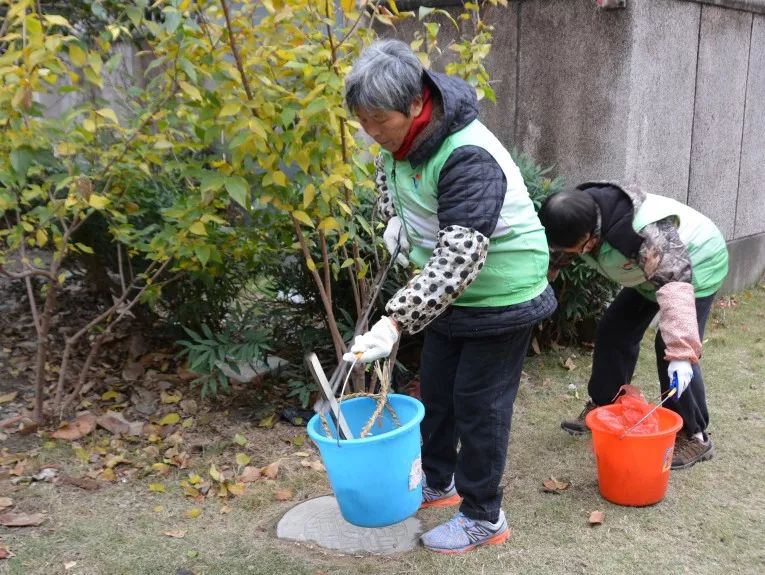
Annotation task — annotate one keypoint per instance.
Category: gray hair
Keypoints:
(387, 76)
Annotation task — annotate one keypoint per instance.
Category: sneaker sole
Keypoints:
(704, 457)
(574, 431)
(497, 539)
(443, 502)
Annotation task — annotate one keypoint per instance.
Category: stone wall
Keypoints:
(669, 94)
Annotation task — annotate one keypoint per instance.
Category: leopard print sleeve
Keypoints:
(663, 256)
(456, 261)
(384, 205)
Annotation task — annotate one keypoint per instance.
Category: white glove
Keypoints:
(395, 235)
(684, 373)
(375, 344)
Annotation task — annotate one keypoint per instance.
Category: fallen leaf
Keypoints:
(168, 398)
(170, 419)
(132, 371)
(270, 471)
(81, 482)
(242, 459)
(77, 429)
(69, 565)
(189, 406)
(7, 397)
(302, 454)
(113, 461)
(283, 495)
(187, 423)
(195, 479)
(176, 533)
(158, 509)
(298, 440)
(553, 485)
(239, 439)
(569, 364)
(157, 487)
(268, 422)
(215, 474)
(5, 502)
(5, 553)
(597, 517)
(22, 519)
(108, 474)
(193, 513)
(116, 423)
(249, 474)
(110, 395)
(236, 488)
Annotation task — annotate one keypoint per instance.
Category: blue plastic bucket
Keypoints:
(377, 480)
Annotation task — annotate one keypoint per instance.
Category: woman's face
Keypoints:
(388, 127)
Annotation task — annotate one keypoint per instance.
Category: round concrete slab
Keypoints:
(319, 521)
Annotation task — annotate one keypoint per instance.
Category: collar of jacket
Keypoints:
(454, 106)
(617, 213)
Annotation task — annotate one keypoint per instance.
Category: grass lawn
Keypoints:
(712, 520)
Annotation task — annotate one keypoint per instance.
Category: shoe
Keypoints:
(578, 426)
(461, 534)
(689, 450)
(439, 497)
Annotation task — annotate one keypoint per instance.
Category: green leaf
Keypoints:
(191, 91)
(238, 188)
(21, 158)
(56, 20)
(230, 109)
(203, 253)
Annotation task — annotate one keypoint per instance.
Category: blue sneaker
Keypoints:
(439, 497)
(461, 534)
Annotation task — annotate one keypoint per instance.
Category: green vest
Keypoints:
(705, 244)
(515, 270)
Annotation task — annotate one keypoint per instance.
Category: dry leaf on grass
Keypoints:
(597, 517)
(193, 513)
(236, 488)
(269, 421)
(249, 474)
(77, 429)
(225, 509)
(70, 565)
(5, 553)
(81, 482)
(7, 397)
(270, 471)
(22, 519)
(175, 533)
(5, 502)
(569, 364)
(552, 485)
(282, 494)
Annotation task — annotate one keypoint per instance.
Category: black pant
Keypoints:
(617, 345)
(468, 386)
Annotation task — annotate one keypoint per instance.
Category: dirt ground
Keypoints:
(173, 500)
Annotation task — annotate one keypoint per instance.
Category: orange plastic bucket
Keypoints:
(634, 470)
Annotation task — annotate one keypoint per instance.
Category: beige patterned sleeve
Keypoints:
(455, 263)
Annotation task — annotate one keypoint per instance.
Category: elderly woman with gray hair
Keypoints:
(457, 206)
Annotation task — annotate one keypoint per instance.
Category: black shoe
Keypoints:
(578, 426)
(689, 450)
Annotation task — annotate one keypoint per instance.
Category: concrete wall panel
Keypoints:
(719, 114)
(573, 95)
(662, 85)
(750, 209)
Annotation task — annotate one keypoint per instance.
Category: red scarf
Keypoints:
(418, 124)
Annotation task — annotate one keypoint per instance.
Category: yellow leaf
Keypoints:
(158, 509)
(167, 398)
(190, 90)
(311, 264)
(98, 202)
(302, 217)
(109, 475)
(279, 178)
(198, 228)
(77, 55)
(157, 487)
(109, 395)
(236, 488)
(242, 459)
(193, 513)
(343, 238)
(257, 127)
(89, 125)
(309, 194)
(348, 5)
(65, 149)
(344, 207)
(57, 20)
(109, 114)
(215, 474)
(230, 109)
(328, 224)
(195, 479)
(187, 423)
(303, 160)
(160, 468)
(170, 419)
(42, 237)
(240, 439)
